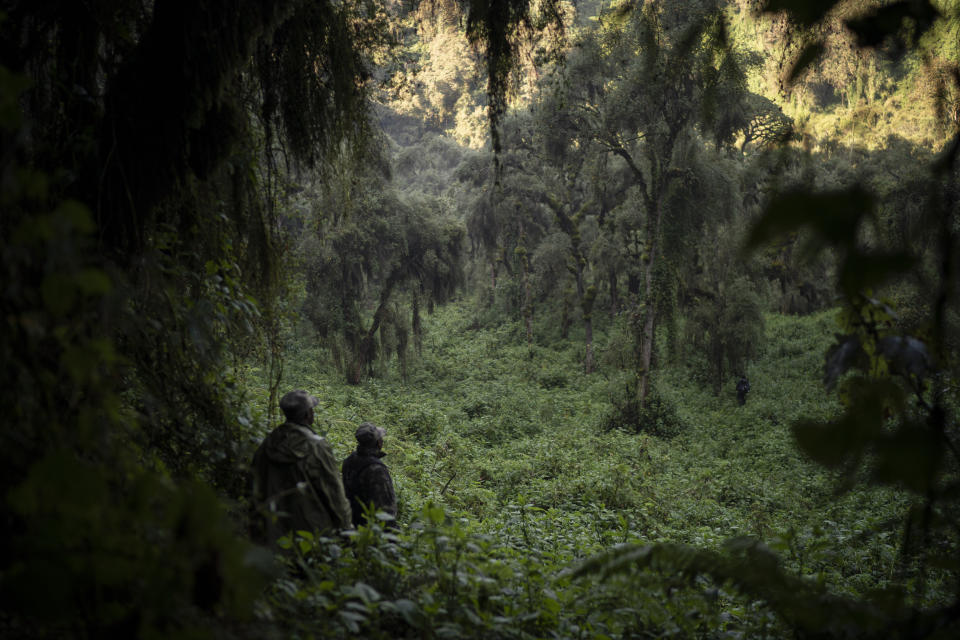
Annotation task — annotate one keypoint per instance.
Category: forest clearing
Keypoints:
(510, 477)
(492, 319)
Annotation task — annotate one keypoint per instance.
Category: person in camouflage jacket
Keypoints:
(365, 476)
(296, 486)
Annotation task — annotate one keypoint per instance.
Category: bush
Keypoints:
(658, 418)
(422, 422)
(553, 379)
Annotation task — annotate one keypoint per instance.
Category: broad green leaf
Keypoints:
(834, 443)
(406, 608)
(77, 215)
(832, 215)
(59, 293)
(11, 86)
(352, 620)
(911, 457)
(93, 281)
(365, 592)
(844, 354)
(61, 482)
(82, 362)
(863, 271)
(907, 355)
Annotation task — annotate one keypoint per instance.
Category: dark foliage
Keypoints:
(140, 241)
(657, 417)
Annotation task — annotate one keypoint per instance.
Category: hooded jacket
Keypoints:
(366, 479)
(295, 481)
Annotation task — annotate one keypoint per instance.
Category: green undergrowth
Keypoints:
(508, 478)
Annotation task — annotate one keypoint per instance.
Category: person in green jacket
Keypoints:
(296, 478)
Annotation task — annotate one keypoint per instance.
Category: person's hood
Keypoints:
(287, 443)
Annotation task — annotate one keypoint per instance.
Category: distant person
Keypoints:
(743, 387)
(365, 476)
(295, 481)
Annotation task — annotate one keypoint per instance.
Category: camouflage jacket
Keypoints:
(296, 485)
(366, 479)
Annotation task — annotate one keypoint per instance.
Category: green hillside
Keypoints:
(509, 476)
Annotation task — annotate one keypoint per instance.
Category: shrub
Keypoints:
(421, 422)
(658, 418)
(553, 379)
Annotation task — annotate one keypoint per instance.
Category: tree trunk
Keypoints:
(528, 314)
(587, 306)
(417, 325)
(718, 384)
(614, 294)
(527, 290)
(646, 355)
(588, 358)
(367, 347)
(649, 305)
(586, 294)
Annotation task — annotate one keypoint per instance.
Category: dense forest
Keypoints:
(544, 245)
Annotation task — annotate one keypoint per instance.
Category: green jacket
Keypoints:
(296, 484)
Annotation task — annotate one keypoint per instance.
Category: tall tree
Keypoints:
(646, 86)
(554, 187)
(508, 217)
(360, 263)
(568, 196)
